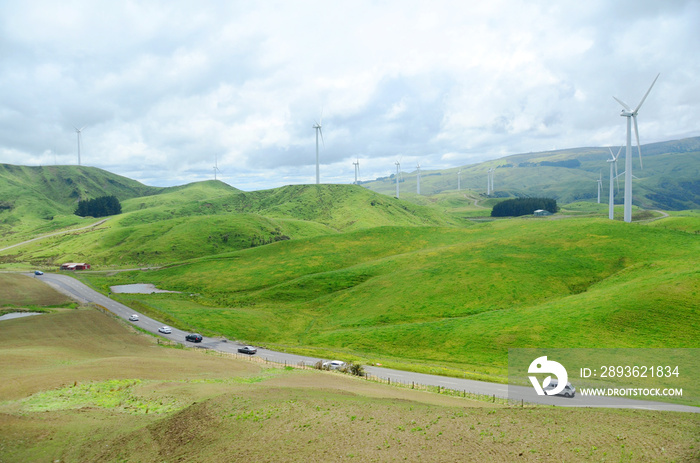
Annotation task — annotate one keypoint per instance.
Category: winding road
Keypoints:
(84, 294)
(55, 234)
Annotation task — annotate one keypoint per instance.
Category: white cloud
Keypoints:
(174, 84)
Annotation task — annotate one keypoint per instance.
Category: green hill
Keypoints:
(36, 200)
(670, 179)
(210, 218)
(450, 299)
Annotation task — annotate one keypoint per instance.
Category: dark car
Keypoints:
(194, 337)
(250, 350)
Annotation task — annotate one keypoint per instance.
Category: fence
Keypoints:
(492, 398)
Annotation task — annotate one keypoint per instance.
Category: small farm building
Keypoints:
(75, 266)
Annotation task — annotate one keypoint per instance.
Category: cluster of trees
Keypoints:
(569, 163)
(99, 207)
(523, 206)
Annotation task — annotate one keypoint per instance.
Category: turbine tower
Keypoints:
(317, 127)
(493, 172)
(418, 179)
(216, 166)
(79, 131)
(631, 114)
(357, 171)
(459, 180)
(600, 185)
(611, 202)
(398, 172)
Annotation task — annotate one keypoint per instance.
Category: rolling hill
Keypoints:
(195, 220)
(443, 299)
(670, 179)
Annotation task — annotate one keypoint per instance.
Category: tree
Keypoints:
(99, 207)
(523, 206)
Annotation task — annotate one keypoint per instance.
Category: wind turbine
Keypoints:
(317, 127)
(216, 166)
(493, 172)
(631, 114)
(357, 170)
(489, 182)
(600, 185)
(418, 179)
(611, 201)
(398, 173)
(459, 180)
(79, 131)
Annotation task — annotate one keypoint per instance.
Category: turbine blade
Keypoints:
(617, 177)
(624, 105)
(646, 94)
(639, 148)
(618, 153)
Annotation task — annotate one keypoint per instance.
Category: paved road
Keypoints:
(82, 293)
(54, 234)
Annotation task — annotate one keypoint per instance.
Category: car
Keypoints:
(568, 392)
(165, 330)
(38, 272)
(250, 350)
(334, 365)
(193, 337)
(134, 318)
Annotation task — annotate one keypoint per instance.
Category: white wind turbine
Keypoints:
(79, 131)
(216, 167)
(631, 114)
(357, 171)
(600, 185)
(611, 201)
(459, 180)
(317, 127)
(398, 173)
(417, 178)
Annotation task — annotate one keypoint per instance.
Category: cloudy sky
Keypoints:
(164, 89)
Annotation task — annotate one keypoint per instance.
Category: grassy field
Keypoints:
(210, 218)
(669, 179)
(19, 292)
(443, 300)
(81, 386)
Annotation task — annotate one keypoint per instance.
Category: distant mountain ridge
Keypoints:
(670, 179)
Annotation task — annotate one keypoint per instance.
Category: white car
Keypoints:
(165, 330)
(334, 365)
(134, 318)
(568, 392)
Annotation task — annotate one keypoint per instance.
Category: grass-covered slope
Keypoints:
(457, 298)
(80, 386)
(341, 207)
(35, 200)
(669, 179)
(210, 218)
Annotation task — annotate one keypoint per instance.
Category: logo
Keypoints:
(542, 365)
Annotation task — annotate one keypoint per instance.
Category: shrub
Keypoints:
(99, 207)
(523, 206)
